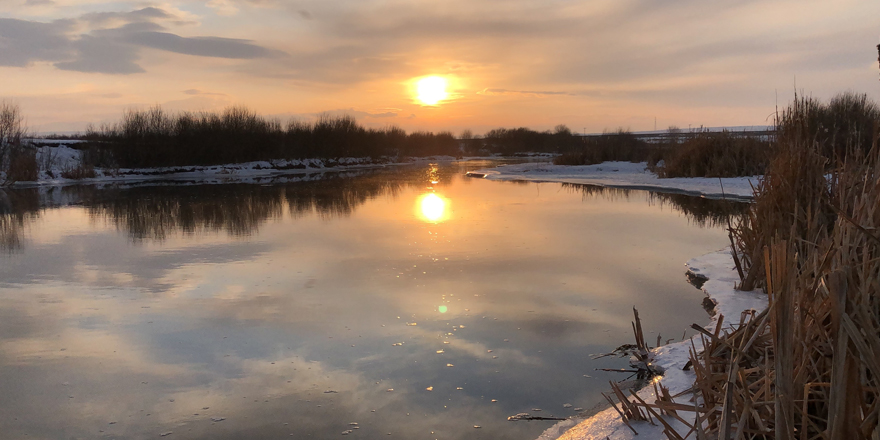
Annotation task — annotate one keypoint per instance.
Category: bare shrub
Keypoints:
(12, 133)
(23, 165)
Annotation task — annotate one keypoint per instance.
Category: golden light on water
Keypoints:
(432, 208)
(431, 89)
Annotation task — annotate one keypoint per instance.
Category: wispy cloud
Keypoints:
(112, 50)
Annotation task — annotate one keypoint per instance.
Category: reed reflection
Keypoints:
(701, 211)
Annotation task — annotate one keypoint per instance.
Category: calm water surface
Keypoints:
(412, 301)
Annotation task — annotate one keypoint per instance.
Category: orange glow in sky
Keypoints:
(434, 65)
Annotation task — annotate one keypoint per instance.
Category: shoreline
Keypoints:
(717, 268)
(56, 160)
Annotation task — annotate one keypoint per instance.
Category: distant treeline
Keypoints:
(154, 137)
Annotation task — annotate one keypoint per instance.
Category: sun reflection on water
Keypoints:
(432, 208)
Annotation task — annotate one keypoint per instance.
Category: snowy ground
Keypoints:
(624, 175)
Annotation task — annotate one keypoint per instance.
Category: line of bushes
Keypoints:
(509, 141)
(154, 138)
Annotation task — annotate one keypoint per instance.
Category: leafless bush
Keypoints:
(12, 132)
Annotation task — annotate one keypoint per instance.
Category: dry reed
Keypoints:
(807, 367)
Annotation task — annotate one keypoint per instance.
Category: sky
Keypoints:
(591, 65)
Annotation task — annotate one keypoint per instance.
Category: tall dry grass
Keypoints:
(621, 145)
(808, 367)
(722, 154)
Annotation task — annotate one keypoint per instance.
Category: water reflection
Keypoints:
(251, 311)
(432, 208)
(17, 210)
(703, 212)
(157, 212)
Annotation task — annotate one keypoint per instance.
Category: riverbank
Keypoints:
(60, 163)
(718, 269)
(627, 175)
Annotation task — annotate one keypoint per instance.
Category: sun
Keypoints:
(431, 90)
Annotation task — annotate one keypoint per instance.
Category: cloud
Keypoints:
(200, 46)
(200, 92)
(497, 92)
(136, 16)
(115, 50)
(24, 42)
(223, 7)
(101, 55)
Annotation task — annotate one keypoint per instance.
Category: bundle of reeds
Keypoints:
(808, 367)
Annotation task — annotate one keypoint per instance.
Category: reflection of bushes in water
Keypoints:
(702, 211)
(155, 212)
(17, 210)
(159, 211)
(336, 196)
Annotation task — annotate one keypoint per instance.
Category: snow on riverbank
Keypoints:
(58, 162)
(624, 175)
(718, 268)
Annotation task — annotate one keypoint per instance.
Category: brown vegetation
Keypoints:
(16, 162)
(807, 367)
(722, 154)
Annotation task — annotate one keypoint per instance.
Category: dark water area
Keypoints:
(412, 301)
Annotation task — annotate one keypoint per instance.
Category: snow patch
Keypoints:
(625, 175)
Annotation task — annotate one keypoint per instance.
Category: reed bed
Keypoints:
(807, 367)
(722, 154)
(621, 145)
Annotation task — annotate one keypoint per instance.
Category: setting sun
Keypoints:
(431, 90)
